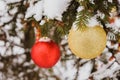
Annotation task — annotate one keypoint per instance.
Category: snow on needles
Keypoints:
(35, 10)
(52, 9)
(92, 22)
(55, 8)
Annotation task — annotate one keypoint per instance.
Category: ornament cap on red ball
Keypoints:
(45, 53)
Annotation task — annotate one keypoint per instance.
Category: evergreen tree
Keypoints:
(23, 22)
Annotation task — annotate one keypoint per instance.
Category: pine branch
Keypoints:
(84, 15)
(90, 9)
(82, 18)
(70, 15)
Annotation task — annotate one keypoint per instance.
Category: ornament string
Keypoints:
(37, 30)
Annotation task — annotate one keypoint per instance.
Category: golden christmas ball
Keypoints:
(87, 43)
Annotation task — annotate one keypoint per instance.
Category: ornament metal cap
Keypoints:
(45, 39)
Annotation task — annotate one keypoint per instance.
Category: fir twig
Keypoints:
(82, 18)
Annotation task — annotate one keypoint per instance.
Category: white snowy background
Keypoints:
(11, 45)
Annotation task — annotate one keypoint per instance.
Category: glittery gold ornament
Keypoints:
(87, 43)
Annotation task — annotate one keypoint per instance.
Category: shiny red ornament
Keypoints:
(45, 54)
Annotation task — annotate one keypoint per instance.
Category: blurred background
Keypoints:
(17, 36)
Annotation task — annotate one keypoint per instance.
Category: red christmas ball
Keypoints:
(45, 54)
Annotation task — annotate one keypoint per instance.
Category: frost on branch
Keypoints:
(35, 10)
(51, 9)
